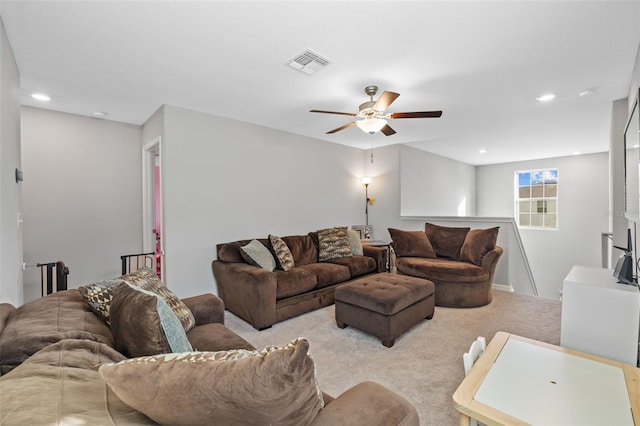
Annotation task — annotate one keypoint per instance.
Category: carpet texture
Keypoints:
(425, 364)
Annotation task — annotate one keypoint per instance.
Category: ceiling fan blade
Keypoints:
(418, 114)
(350, 114)
(346, 126)
(385, 100)
(387, 130)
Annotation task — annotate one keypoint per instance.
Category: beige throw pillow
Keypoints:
(273, 385)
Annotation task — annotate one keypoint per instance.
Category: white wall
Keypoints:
(81, 194)
(583, 213)
(11, 192)
(226, 180)
(432, 185)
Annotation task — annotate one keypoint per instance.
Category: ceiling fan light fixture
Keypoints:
(371, 125)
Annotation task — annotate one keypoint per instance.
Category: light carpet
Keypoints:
(425, 364)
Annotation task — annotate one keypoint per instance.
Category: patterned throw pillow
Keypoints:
(282, 381)
(283, 254)
(333, 243)
(255, 253)
(143, 324)
(99, 295)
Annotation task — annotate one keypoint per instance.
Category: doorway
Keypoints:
(152, 226)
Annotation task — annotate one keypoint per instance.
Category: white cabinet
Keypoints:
(600, 316)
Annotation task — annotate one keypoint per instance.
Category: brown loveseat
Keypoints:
(263, 297)
(461, 262)
(52, 349)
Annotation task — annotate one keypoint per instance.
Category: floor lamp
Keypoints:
(368, 200)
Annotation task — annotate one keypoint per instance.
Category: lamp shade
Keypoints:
(371, 125)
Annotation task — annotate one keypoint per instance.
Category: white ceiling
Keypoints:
(483, 63)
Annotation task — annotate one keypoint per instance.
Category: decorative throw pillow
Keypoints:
(283, 254)
(333, 243)
(268, 386)
(146, 279)
(99, 295)
(256, 254)
(411, 243)
(354, 242)
(477, 243)
(143, 324)
(446, 241)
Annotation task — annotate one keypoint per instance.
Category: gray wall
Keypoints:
(226, 180)
(81, 194)
(11, 290)
(583, 211)
(432, 185)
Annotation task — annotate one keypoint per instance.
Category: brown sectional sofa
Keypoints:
(51, 348)
(460, 262)
(263, 298)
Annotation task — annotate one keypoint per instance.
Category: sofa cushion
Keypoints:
(230, 252)
(302, 249)
(293, 282)
(411, 243)
(283, 255)
(256, 254)
(60, 385)
(214, 385)
(50, 319)
(328, 274)
(98, 296)
(332, 243)
(143, 324)
(441, 270)
(477, 243)
(358, 265)
(354, 242)
(446, 241)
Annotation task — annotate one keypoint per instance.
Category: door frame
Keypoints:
(149, 152)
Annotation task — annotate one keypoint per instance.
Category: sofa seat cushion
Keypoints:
(358, 265)
(215, 337)
(441, 270)
(328, 274)
(41, 322)
(60, 385)
(293, 282)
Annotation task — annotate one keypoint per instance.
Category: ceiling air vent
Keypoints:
(308, 62)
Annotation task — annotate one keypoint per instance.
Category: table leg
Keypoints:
(464, 420)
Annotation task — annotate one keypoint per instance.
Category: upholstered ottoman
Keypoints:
(385, 305)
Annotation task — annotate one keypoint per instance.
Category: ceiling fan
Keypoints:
(372, 113)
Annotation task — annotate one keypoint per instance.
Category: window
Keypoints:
(537, 199)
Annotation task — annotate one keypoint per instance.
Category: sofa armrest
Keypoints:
(5, 310)
(368, 403)
(490, 260)
(248, 291)
(378, 253)
(206, 308)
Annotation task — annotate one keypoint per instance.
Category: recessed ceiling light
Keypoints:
(40, 97)
(100, 114)
(546, 97)
(576, 152)
(482, 151)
